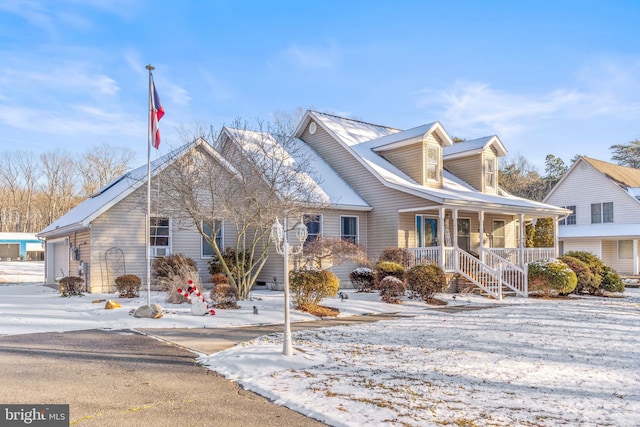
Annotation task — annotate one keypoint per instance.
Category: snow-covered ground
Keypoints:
(522, 362)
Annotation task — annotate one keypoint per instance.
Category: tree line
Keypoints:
(35, 190)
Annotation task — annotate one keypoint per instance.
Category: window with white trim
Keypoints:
(433, 163)
(207, 248)
(498, 237)
(625, 249)
(490, 173)
(601, 213)
(314, 226)
(159, 237)
(349, 228)
(571, 218)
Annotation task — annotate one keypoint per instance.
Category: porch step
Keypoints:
(465, 286)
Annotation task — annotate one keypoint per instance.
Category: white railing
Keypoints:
(483, 276)
(431, 255)
(513, 277)
(529, 254)
(536, 254)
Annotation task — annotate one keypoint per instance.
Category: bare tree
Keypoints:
(332, 250)
(244, 181)
(521, 178)
(100, 164)
(59, 183)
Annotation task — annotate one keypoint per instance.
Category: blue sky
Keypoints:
(548, 77)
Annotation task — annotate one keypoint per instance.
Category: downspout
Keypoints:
(456, 260)
(556, 238)
(635, 257)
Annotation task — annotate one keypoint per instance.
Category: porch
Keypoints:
(494, 270)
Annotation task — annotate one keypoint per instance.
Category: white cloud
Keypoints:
(602, 90)
(313, 57)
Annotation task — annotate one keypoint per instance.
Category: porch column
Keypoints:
(481, 230)
(521, 244)
(556, 238)
(635, 257)
(441, 234)
(455, 239)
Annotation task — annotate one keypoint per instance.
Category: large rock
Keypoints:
(153, 311)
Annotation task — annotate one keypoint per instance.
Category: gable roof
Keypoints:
(81, 216)
(327, 184)
(353, 136)
(626, 178)
(474, 146)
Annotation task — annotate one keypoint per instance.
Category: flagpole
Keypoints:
(148, 215)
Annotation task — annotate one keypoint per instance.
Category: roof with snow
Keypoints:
(474, 146)
(361, 138)
(99, 202)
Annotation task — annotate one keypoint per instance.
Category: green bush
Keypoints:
(399, 255)
(128, 285)
(392, 290)
(309, 287)
(587, 281)
(362, 279)
(388, 268)
(71, 285)
(611, 280)
(424, 280)
(607, 279)
(551, 277)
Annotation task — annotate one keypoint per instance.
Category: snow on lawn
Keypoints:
(522, 361)
(533, 362)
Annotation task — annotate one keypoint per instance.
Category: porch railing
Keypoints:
(480, 274)
(529, 254)
(513, 277)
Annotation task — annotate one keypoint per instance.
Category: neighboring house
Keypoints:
(604, 200)
(383, 187)
(21, 247)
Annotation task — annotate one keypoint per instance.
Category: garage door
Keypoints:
(60, 259)
(9, 251)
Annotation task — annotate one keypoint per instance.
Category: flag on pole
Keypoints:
(157, 111)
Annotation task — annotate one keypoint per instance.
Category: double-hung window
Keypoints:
(159, 237)
(314, 226)
(433, 163)
(490, 173)
(571, 218)
(349, 228)
(207, 248)
(601, 213)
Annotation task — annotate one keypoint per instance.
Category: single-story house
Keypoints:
(385, 187)
(21, 247)
(604, 200)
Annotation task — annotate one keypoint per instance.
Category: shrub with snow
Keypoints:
(424, 280)
(388, 268)
(362, 279)
(71, 285)
(551, 276)
(128, 285)
(392, 290)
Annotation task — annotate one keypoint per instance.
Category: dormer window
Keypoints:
(433, 163)
(490, 173)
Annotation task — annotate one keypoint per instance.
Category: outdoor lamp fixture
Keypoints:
(279, 237)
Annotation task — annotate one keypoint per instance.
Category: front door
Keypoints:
(427, 231)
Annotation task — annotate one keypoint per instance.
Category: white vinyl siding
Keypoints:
(625, 249)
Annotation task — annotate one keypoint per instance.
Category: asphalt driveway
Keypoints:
(122, 378)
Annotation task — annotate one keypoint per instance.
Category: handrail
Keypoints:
(480, 274)
(513, 277)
